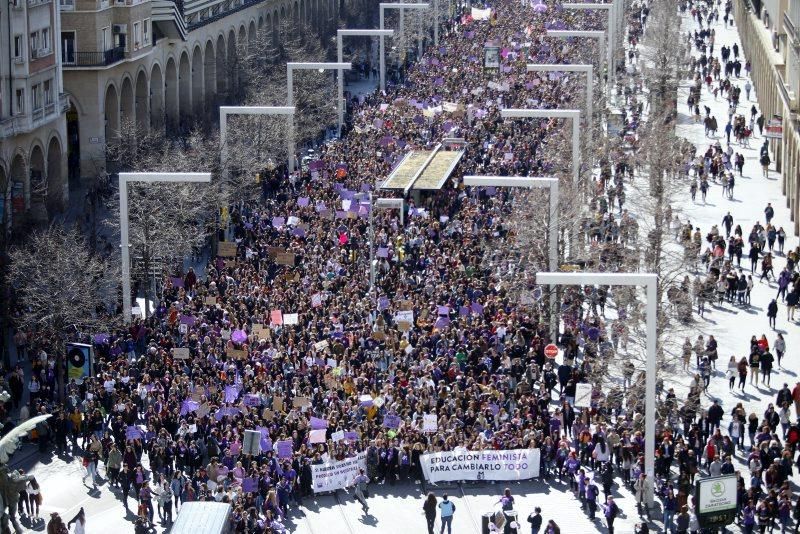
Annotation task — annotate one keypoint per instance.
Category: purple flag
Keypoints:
(189, 406)
(463, 310)
(383, 303)
(351, 436)
(277, 222)
(303, 202)
(231, 393)
(383, 252)
(250, 485)
(188, 320)
(133, 432)
(252, 400)
(177, 281)
(476, 308)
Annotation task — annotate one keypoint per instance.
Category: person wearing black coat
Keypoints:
(772, 312)
(125, 479)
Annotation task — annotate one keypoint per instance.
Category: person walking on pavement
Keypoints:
(535, 519)
(447, 509)
(429, 507)
(769, 212)
(80, 522)
(747, 88)
(610, 511)
(727, 222)
(772, 312)
(360, 482)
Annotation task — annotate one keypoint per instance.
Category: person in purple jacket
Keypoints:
(610, 511)
(572, 464)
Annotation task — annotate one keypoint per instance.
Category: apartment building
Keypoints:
(158, 63)
(33, 133)
(770, 33)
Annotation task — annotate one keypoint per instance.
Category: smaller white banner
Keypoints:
(331, 476)
(517, 464)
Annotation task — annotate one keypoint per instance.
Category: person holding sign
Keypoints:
(360, 482)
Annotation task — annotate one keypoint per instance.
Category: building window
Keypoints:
(20, 101)
(34, 43)
(146, 32)
(17, 46)
(137, 35)
(48, 92)
(36, 92)
(68, 47)
(105, 34)
(45, 39)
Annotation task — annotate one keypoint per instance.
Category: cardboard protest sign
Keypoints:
(238, 354)
(181, 353)
(203, 410)
(277, 404)
(210, 301)
(338, 436)
(276, 317)
(285, 258)
(291, 319)
(226, 249)
(301, 402)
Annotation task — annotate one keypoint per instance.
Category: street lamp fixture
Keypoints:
(290, 68)
(340, 34)
(144, 177)
(401, 6)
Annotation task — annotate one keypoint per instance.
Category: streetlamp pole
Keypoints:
(339, 58)
(225, 111)
(392, 5)
(591, 34)
(551, 184)
(290, 68)
(574, 114)
(650, 281)
(589, 70)
(609, 8)
(145, 177)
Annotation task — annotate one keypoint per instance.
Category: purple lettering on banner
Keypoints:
(318, 424)
(391, 421)
(250, 485)
(303, 201)
(284, 448)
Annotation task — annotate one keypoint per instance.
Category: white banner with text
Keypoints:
(517, 464)
(331, 476)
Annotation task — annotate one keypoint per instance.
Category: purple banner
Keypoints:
(231, 393)
(391, 421)
(133, 433)
(318, 424)
(284, 448)
(250, 485)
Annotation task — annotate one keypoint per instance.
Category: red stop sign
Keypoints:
(551, 351)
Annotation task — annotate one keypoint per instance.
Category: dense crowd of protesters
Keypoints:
(168, 429)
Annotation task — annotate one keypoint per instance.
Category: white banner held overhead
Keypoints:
(517, 464)
(331, 476)
(583, 395)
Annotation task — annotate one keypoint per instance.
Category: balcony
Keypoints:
(67, 5)
(94, 59)
(34, 3)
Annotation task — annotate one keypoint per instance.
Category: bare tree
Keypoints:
(168, 222)
(61, 287)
